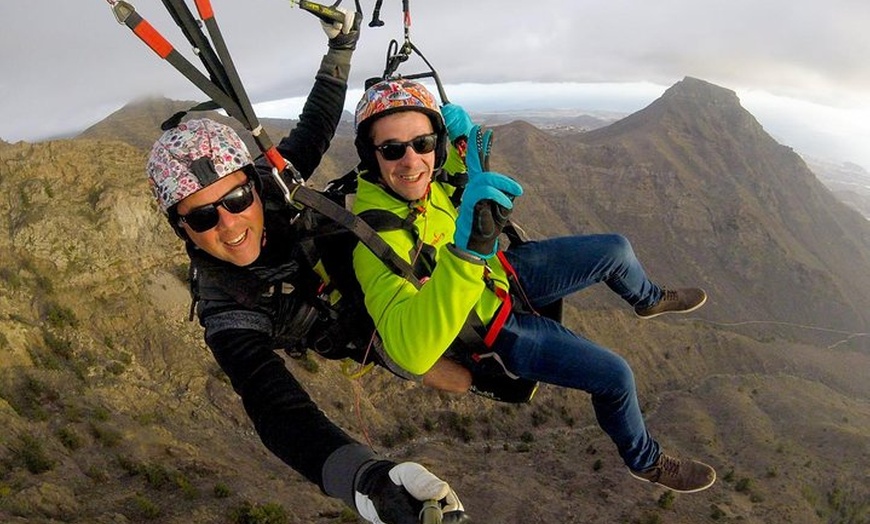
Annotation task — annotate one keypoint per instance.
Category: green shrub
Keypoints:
(116, 368)
(11, 277)
(743, 485)
(460, 426)
(58, 345)
(93, 197)
(60, 316)
(70, 438)
(716, 512)
(101, 413)
(540, 416)
(652, 518)
(98, 474)
(156, 476)
(44, 284)
(403, 433)
(666, 500)
(105, 435)
(221, 491)
(566, 416)
(188, 490)
(29, 450)
(847, 506)
(146, 508)
(32, 398)
(270, 513)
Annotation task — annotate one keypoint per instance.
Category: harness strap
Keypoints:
(500, 318)
(363, 231)
(183, 17)
(507, 304)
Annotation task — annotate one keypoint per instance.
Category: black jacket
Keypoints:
(249, 312)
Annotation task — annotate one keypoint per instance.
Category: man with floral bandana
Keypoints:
(248, 273)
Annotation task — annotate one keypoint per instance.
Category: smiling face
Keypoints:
(237, 238)
(409, 176)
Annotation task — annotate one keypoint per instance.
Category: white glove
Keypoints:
(377, 496)
(332, 29)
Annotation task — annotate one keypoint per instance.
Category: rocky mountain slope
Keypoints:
(113, 410)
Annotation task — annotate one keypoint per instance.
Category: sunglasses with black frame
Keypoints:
(394, 150)
(203, 218)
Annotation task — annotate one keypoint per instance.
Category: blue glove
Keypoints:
(485, 208)
(479, 149)
(458, 122)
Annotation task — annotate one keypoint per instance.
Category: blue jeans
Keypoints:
(538, 348)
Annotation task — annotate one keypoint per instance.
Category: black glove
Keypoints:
(344, 35)
(390, 493)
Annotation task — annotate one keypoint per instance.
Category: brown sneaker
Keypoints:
(680, 300)
(684, 476)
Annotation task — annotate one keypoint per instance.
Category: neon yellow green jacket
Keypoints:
(454, 163)
(418, 326)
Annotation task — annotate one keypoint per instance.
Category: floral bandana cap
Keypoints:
(176, 168)
(394, 94)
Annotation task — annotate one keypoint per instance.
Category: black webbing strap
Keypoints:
(229, 67)
(182, 16)
(364, 232)
(127, 15)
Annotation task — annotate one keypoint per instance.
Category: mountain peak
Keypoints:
(692, 107)
(691, 89)
(694, 100)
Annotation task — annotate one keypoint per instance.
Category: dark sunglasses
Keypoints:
(395, 150)
(205, 217)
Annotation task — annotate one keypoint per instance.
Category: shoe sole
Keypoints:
(674, 489)
(654, 315)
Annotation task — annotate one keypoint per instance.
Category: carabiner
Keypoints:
(122, 10)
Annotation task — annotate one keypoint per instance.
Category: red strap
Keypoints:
(205, 9)
(155, 41)
(500, 317)
(506, 304)
(275, 158)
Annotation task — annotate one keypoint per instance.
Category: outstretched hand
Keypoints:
(344, 35)
(390, 493)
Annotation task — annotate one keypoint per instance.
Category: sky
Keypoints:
(799, 66)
